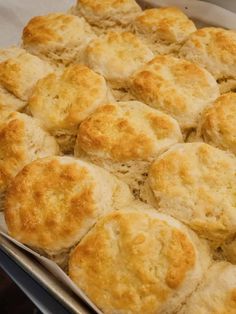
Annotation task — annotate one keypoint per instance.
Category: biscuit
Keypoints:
(164, 30)
(10, 52)
(116, 56)
(218, 123)
(11, 102)
(57, 37)
(106, 15)
(214, 49)
(62, 101)
(195, 183)
(125, 137)
(54, 201)
(18, 75)
(21, 141)
(216, 294)
(176, 87)
(19, 72)
(138, 261)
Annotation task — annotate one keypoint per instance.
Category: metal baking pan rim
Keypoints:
(39, 273)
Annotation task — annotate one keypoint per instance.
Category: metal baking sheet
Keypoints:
(43, 276)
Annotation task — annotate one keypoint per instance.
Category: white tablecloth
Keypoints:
(227, 4)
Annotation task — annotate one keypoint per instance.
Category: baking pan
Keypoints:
(195, 9)
(44, 278)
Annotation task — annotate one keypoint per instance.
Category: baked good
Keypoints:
(125, 137)
(54, 201)
(214, 49)
(106, 15)
(10, 52)
(116, 56)
(164, 30)
(216, 294)
(21, 141)
(177, 87)
(121, 89)
(195, 183)
(10, 102)
(19, 72)
(218, 123)
(138, 261)
(18, 75)
(62, 101)
(58, 37)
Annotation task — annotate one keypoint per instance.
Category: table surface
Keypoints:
(13, 16)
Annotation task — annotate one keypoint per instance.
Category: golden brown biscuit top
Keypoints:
(21, 141)
(132, 262)
(169, 24)
(53, 201)
(127, 131)
(213, 48)
(177, 87)
(195, 183)
(102, 6)
(117, 55)
(55, 28)
(63, 101)
(218, 123)
(19, 74)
